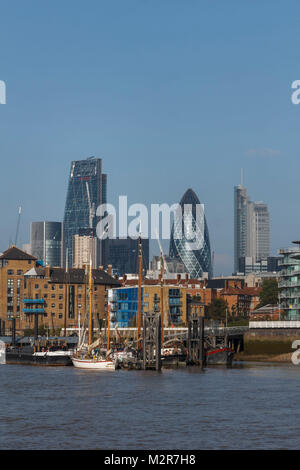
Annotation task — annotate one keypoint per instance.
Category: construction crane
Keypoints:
(162, 253)
(91, 206)
(18, 224)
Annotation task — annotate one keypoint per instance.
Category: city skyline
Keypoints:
(194, 107)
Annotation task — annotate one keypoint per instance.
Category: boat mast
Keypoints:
(66, 293)
(162, 296)
(108, 325)
(90, 303)
(139, 291)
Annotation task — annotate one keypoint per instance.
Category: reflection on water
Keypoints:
(247, 406)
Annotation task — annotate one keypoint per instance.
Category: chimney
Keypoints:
(47, 271)
(178, 278)
(109, 269)
(186, 277)
(124, 280)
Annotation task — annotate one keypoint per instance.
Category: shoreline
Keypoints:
(277, 358)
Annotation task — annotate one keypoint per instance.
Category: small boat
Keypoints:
(95, 364)
(91, 359)
(219, 356)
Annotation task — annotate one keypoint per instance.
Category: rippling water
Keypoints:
(253, 406)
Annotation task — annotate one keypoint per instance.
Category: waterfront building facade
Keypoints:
(87, 189)
(289, 284)
(197, 260)
(46, 242)
(58, 296)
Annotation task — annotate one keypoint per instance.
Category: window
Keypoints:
(60, 286)
(52, 296)
(45, 296)
(10, 272)
(19, 272)
(45, 286)
(52, 305)
(53, 287)
(60, 315)
(60, 306)
(36, 286)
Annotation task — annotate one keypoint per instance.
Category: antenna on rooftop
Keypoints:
(18, 224)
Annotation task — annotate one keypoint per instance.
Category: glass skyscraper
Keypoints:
(86, 191)
(46, 242)
(122, 254)
(197, 260)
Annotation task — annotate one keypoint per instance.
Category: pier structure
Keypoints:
(195, 341)
(151, 343)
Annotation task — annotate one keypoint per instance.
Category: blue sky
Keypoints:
(171, 94)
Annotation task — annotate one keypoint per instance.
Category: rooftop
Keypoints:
(14, 253)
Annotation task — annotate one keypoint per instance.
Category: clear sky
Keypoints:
(170, 93)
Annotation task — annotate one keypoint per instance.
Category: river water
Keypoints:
(248, 406)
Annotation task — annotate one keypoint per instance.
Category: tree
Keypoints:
(269, 293)
(216, 310)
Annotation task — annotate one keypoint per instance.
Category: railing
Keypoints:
(33, 310)
(34, 301)
(289, 284)
(274, 324)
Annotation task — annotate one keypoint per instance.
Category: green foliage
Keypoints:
(269, 293)
(216, 310)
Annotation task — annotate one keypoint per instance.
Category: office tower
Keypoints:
(197, 260)
(251, 228)
(240, 224)
(122, 254)
(46, 242)
(84, 248)
(86, 191)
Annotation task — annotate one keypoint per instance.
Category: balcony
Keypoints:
(34, 301)
(30, 311)
(289, 283)
(175, 302)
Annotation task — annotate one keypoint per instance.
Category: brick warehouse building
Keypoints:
(27, 288)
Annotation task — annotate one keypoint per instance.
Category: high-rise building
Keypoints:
(190, 242)
(84, 248)
(251, 228)
(86, 191)
(46, 242)
(122, 254)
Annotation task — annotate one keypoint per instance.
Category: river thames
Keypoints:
(248, 406)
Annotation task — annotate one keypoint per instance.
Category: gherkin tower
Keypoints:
(190, 238)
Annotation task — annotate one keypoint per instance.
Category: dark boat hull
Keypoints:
(15, 357)
(222, 356)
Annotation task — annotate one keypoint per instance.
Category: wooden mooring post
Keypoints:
(196, 355)
(152, 341)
